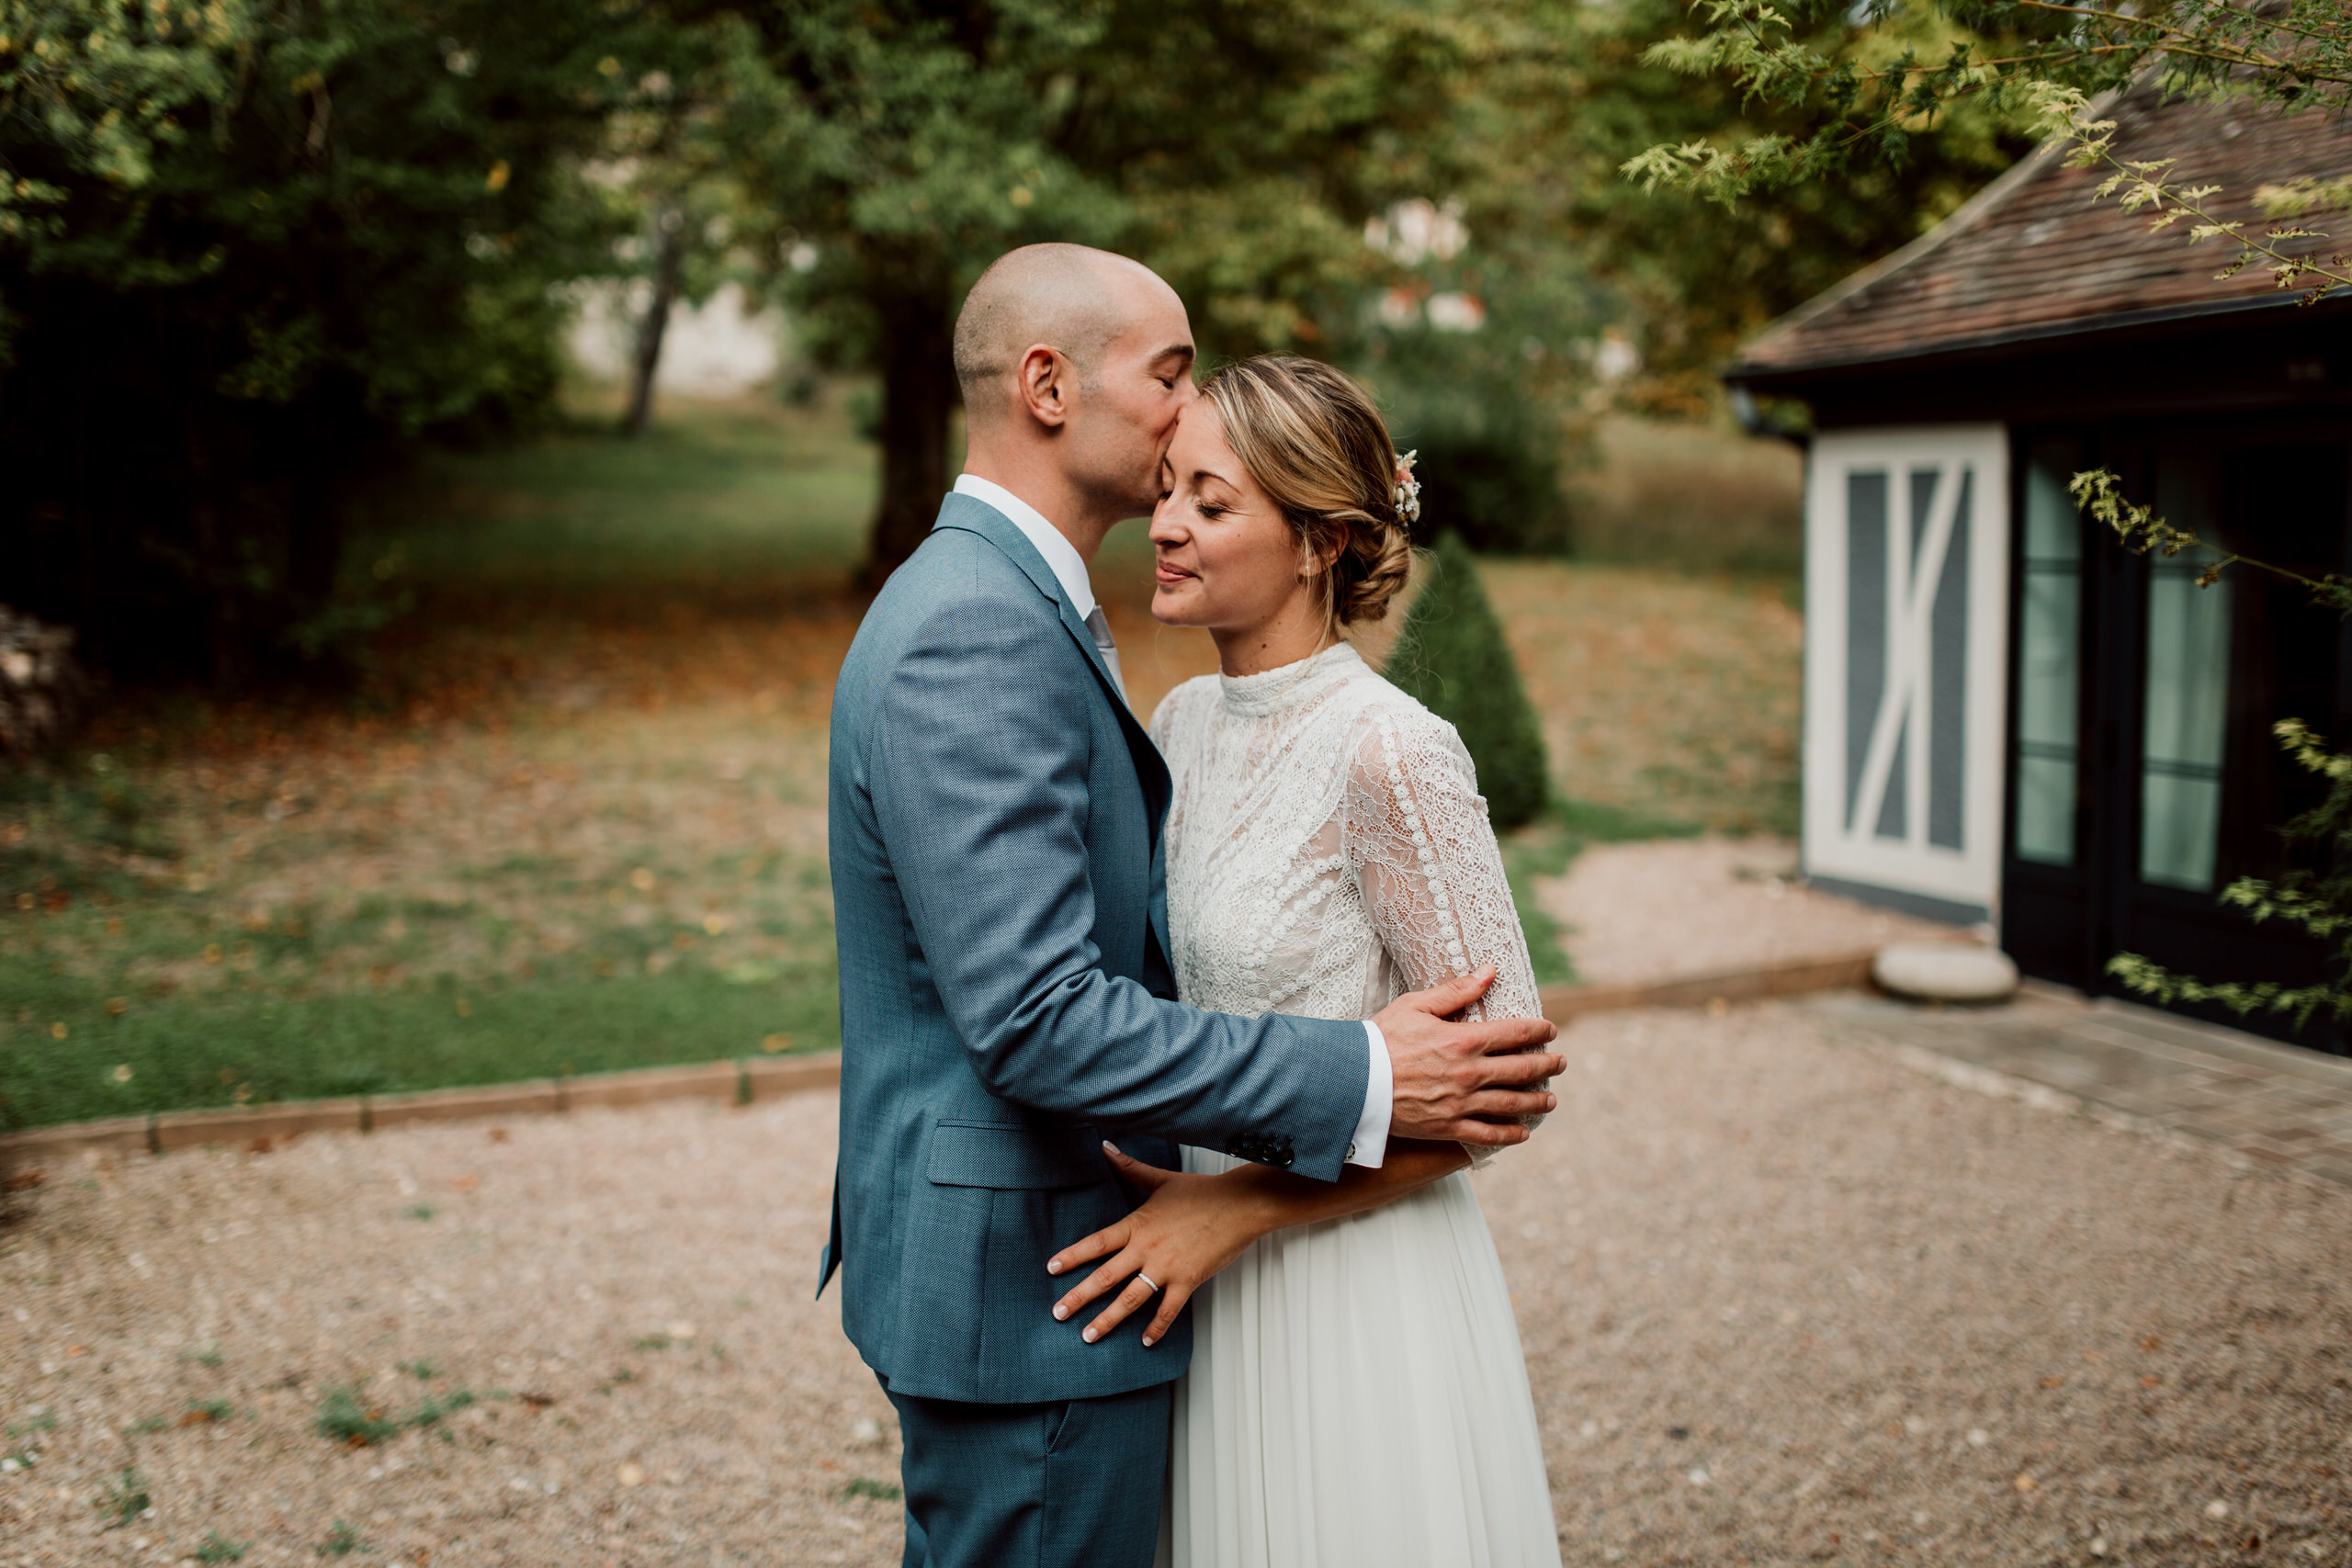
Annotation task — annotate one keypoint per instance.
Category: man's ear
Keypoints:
(1045, 385)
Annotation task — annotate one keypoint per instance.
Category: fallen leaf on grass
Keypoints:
(535, 1401)
(465, 1183)
(2024, 1483)
(2053, 1381)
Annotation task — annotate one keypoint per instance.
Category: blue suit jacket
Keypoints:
(994, 815)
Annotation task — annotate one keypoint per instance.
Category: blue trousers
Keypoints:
(1053, 1485)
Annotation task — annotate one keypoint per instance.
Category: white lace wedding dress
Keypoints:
(1357, 1397)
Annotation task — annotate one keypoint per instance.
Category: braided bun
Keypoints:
(1316, 444)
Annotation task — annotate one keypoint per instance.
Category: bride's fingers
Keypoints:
(1132, 1299)
(1172, 1301)
(1097, 1283)
(1150, 1177)
(1107, 1240)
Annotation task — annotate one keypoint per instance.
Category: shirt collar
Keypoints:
(1067, 565)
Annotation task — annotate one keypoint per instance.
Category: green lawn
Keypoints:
(574, 821)
(577, 825)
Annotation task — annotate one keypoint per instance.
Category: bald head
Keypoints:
(1073, 298)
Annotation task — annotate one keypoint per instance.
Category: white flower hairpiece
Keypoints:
(1408, 494)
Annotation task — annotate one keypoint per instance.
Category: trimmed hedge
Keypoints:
(1453, 657)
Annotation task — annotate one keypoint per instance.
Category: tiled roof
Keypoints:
(2034, 254)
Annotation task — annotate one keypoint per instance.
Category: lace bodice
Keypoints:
(1327, 849)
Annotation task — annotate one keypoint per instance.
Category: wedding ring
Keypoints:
(1147, 1280)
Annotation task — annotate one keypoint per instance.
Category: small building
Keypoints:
(2009, 717)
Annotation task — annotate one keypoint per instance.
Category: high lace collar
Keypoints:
(1289, 686)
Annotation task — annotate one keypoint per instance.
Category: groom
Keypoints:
(995, 817)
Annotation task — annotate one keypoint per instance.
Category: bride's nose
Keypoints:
(1167, 521)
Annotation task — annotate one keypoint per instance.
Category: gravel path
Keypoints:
(1784, 1300)
(1636, 913)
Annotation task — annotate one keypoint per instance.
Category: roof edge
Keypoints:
(1964, 218)
(1749, 373)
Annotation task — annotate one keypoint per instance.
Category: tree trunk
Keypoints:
(918, 396)
(667, 259)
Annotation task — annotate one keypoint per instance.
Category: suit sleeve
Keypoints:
(980, 753)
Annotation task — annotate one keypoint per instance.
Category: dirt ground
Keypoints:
(1783, 1300)
(1632, 914)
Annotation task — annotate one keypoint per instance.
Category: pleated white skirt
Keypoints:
(1357, 1399)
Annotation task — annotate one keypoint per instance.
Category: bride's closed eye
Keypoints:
(1210, 510)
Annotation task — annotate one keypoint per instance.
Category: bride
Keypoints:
(1357, 1397)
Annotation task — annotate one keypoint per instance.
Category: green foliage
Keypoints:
(346, 1419)
(1913, 65)
(2140, 530)
(1698, 274)
(881, 1491)
(302, 1046)
(1239, 148)
(341, 1542)
(1488, 417)
(432, 1412)
(124, 1499)
(2318, 902)
(1452, 657)
(247, 253)
(218, 1548)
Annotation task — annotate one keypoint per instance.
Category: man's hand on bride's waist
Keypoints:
(1468, 1083)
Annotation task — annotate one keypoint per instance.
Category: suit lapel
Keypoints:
(976, 516)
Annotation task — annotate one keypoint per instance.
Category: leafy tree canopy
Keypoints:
(246, 248)
(1239, 148)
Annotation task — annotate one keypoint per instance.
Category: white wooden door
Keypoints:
(1906, 640)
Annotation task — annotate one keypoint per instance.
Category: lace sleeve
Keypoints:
(1419, 844)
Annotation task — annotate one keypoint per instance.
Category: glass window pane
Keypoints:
(2049, 659)
(2188, 701)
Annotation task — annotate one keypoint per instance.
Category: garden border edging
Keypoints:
(751, 1079)
(743, 1082)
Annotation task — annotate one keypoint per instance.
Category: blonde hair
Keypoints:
(1316, 444)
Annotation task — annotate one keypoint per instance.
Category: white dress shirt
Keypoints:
(1370, 1145)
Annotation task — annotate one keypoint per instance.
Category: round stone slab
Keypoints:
(1945, 972)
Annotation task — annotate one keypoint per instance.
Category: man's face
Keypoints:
(1128, 408)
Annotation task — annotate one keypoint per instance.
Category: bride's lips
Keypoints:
(1170, 575)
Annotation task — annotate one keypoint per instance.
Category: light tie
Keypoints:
(1097, 623)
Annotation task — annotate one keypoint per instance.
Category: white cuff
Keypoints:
(1370, 1146)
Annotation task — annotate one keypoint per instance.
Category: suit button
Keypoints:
(1351, 1151)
